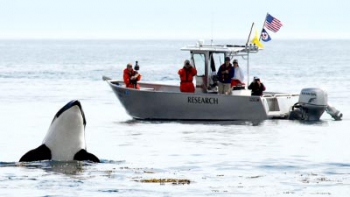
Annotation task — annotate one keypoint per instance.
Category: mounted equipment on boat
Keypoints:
(311, 105)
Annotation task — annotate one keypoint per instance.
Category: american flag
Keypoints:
(272, 23)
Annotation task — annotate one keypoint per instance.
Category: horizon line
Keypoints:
(116, 38)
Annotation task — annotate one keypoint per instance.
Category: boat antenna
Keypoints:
(212, 24)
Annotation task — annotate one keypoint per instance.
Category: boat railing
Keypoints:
(115, 82)
(279, 95)
(267, 95)
(147, 89)
(119, 83)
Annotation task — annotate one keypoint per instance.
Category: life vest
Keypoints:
(226, 77)
(127, 76)
(186, 75)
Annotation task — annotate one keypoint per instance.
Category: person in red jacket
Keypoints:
(186, 76)
(131, 77)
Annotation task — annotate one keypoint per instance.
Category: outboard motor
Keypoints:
(311, 105)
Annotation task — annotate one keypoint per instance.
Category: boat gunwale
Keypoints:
(266, 94)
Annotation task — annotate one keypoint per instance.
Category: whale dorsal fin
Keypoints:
(83, 155)
(40, 153)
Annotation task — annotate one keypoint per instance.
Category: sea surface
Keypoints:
(144, 158)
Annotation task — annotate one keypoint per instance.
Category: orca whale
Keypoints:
(65, 139)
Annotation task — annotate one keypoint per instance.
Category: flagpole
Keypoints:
(249, 34)
(247, 69)
(248, 50)
(263, 25)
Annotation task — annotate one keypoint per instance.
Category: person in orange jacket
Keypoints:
(186, 76)
(131, 77)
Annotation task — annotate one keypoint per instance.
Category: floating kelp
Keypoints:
(163, 181)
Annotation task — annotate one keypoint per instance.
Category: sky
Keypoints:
(171, 19)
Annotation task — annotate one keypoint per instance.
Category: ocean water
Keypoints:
(238, 158)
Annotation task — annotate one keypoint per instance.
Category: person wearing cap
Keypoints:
(131, 77)
(257, 87)
(238, 78)
(186, 76)
(225, 73)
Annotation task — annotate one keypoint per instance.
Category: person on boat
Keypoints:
(225, 73)
(257, 87)
(131, 77)
(238, 78)
(186, 76)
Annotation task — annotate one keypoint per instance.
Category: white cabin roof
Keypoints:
(223, 48)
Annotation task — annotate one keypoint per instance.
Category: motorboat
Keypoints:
(157, 101)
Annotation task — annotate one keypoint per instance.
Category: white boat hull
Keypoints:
(166, 102)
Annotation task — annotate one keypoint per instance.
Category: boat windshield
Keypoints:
(199, 63)
(216, 59)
